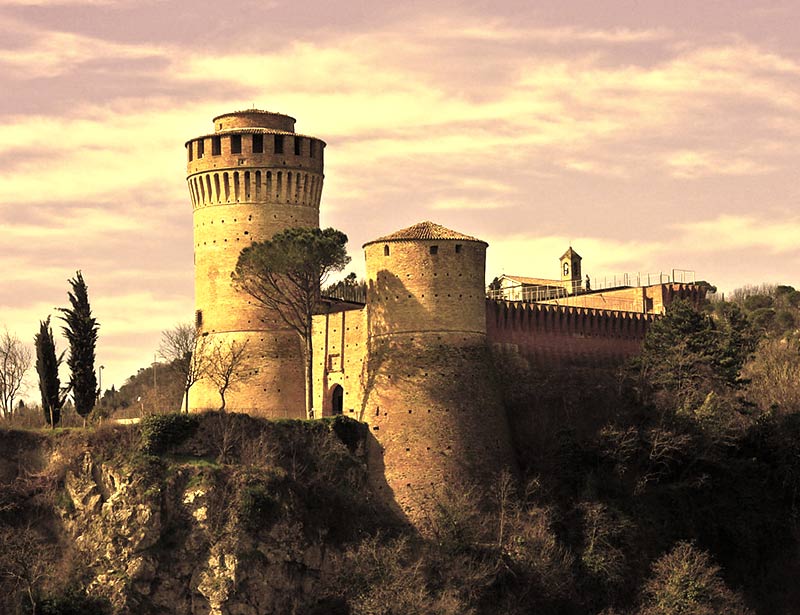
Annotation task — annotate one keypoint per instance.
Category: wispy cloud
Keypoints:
(49, 53)
(727, 233)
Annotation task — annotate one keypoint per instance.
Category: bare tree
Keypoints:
(228, 365)
(15, 361)
(26, 562)
(188, 353)
(773, 374)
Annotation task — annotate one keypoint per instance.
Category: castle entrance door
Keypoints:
(337, 400)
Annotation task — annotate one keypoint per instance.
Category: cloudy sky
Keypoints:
(650, 134)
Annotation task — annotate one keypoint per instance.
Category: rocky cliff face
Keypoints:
(211, 515)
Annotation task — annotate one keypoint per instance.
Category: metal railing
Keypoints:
(638, 279)
(528, 294)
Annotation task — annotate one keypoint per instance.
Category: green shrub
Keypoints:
(160, 432)
(150, 469)
(784, 321)
(74, 602)
(755, 302)
(763, 317)
(258, 508)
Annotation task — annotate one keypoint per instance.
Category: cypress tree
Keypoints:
(81, 332)
(47, 365)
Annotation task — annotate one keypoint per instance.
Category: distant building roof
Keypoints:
(532, 281)
(570, 253)
(425, 231)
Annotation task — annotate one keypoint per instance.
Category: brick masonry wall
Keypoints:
(436, 414)
(340, 346)
(272, 386)
(559, 334)
(412, 290)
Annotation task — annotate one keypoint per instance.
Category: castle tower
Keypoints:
(571, 271)
(430, 398)
(249, 179)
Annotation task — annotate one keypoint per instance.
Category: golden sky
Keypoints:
(649, 135)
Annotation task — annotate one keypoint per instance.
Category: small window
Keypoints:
(216, 146)
(311, 148)
(198, 318)
(298, 146)
(236, 144)
(201, 146)
(278, 144)
(258, 144)
(434, 249)
(386, 250)
(191, 152)
(458, 248)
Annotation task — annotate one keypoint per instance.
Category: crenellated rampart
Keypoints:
(565, 334)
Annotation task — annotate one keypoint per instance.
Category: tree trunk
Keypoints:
(186, 400)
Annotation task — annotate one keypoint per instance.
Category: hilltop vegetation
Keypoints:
(668, 487)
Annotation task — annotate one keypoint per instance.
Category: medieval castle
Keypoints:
(409, 361)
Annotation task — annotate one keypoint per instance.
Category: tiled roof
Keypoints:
(570, 253)
(425, 230)
(533, 281)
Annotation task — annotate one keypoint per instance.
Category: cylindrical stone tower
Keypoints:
(249, 179)
(431, 400)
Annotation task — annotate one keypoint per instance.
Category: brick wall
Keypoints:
(340, 345)
(551, 333)
(411, 290)
(436, 415)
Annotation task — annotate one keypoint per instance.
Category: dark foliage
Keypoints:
(350, 432)
(74, 602)
(160, 432)
(47, 364)
(81, 331)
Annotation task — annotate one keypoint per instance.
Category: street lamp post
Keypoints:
(100, 382)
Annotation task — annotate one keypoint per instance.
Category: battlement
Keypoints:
(254, 147)
(558, 333)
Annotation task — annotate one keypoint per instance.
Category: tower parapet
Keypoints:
(249, 179)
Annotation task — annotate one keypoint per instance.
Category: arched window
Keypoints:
(337, 400)
(386, 250)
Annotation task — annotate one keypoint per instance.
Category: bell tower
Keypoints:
(571, 271)
(250, 178)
